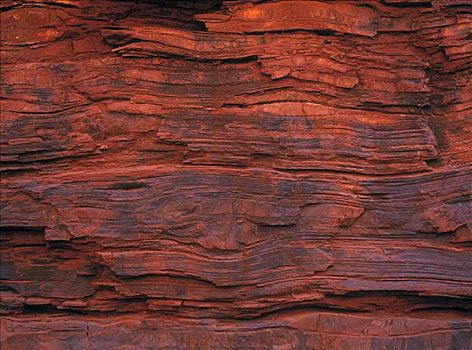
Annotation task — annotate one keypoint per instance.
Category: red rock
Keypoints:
(290, 15)
(236, 175)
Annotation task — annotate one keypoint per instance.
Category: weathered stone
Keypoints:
(242, 174)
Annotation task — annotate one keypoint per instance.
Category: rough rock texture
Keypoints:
(237, 175)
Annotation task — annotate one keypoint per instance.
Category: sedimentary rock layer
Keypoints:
(236, 175)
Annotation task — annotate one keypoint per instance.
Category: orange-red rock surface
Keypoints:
(236, 175)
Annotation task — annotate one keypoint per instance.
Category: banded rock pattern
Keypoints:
(236, 175)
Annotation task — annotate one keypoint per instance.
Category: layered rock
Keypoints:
(245, 174)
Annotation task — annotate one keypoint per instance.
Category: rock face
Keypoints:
(237, 175)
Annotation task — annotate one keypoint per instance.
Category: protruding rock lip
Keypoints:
(294, 15)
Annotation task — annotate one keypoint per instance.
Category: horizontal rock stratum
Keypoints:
(238, 174)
